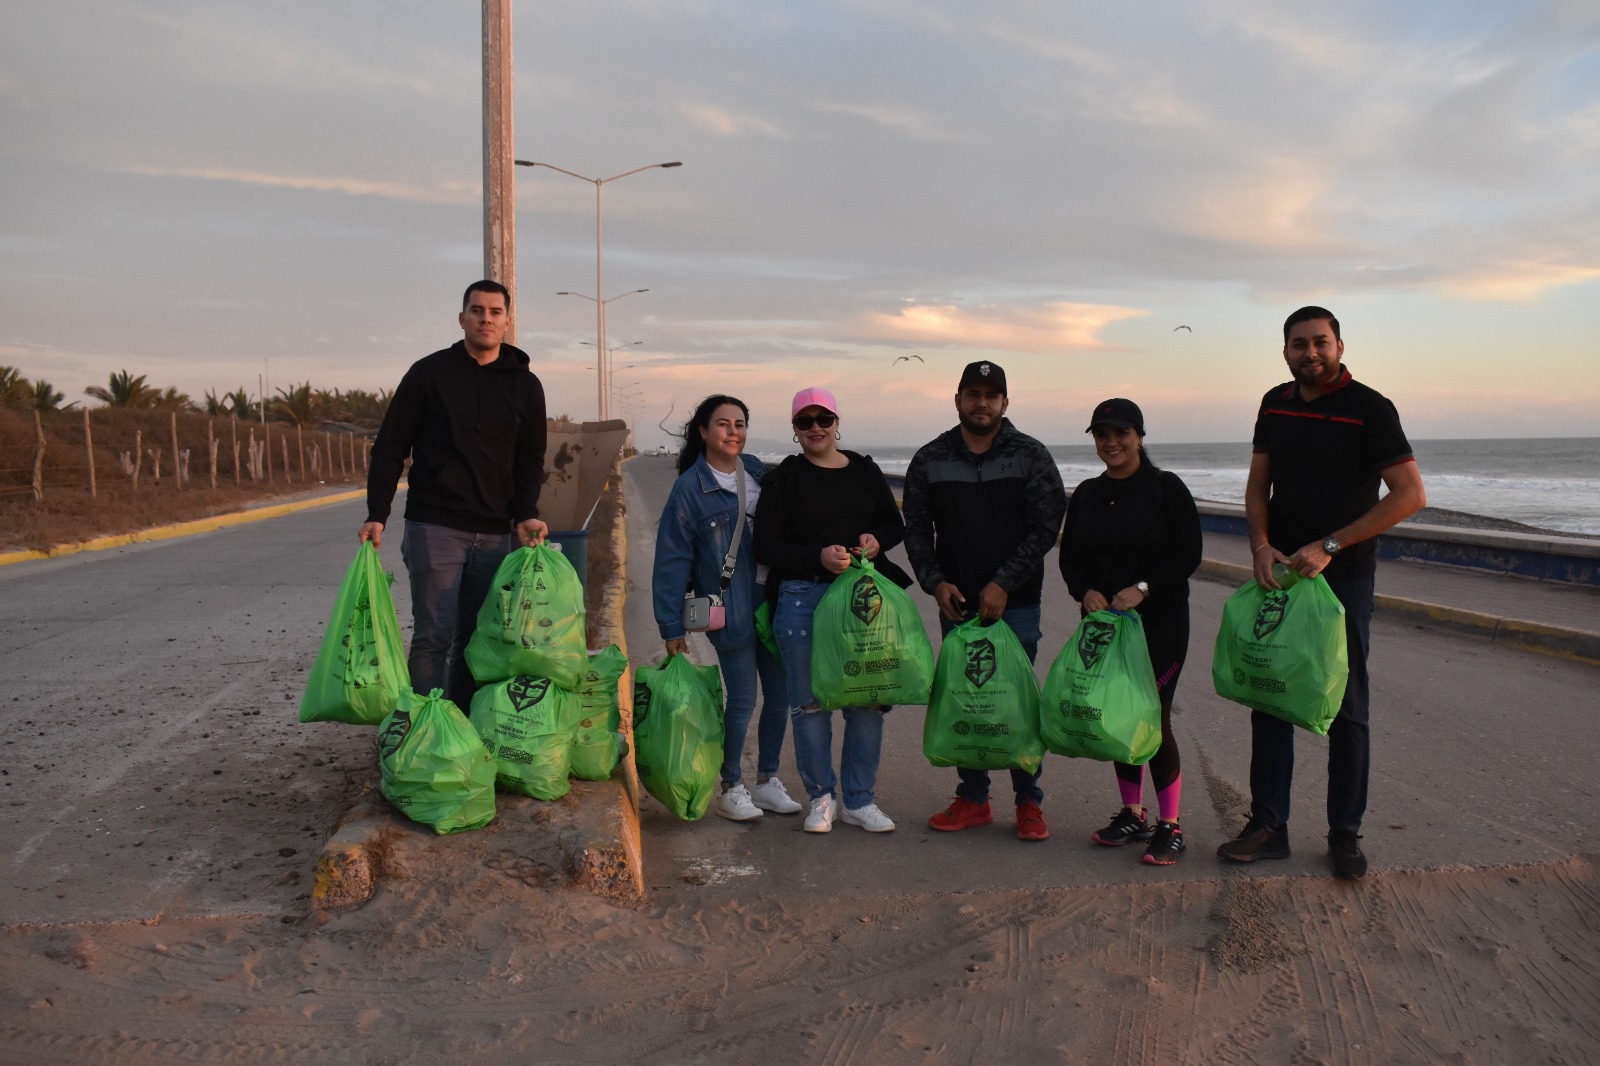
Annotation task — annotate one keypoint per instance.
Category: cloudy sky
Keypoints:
(204, 192)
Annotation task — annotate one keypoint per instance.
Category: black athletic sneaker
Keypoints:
(1345, 854)
(1125, 826)
(1166, 845)
(1257, 841)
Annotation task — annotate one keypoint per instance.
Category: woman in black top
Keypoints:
(1131, 540)
(817, 509)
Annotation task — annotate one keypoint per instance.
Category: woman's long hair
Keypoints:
(694, 441)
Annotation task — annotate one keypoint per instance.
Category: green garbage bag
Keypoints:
(984, 712)
(528, 724)
(598, 745)
(677, 734)
(1282, 651)
(764, 633)
(360, 672)
(532, 621)
(1100, 699)
(868, 645)
(434, 767)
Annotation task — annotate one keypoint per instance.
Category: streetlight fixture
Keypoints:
(610, 358)
(599, 287)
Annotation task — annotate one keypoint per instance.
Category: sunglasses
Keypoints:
(805, 422)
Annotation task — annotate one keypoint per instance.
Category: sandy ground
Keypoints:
(475, 949)
(494, 962)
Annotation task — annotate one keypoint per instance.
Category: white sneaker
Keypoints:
(823, 812)
(869, 818)
(735, 805)
(770, 795)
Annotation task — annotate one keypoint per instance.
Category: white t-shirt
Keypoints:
(752, 492)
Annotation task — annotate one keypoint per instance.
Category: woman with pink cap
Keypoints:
(816, 510)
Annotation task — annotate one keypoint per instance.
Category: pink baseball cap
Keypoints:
(813, 397)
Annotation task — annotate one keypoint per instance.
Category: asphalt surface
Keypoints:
(1483, 755)
(154, 767)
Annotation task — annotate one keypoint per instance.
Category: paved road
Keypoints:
(1483, 755)
(153, 762)
(153, 765)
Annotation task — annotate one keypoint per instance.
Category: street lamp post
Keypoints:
(604, 362)
(609, 362)
(599, 287)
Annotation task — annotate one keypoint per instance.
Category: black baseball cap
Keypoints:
(1123, 414)
(984, 373)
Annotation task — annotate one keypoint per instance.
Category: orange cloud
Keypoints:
(1053, 327)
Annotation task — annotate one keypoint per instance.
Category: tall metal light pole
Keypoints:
(603, 364)
(499, 217)
(599, 286)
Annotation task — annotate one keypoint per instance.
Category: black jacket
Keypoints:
(792, 528)
(476, 439)
(976, 518)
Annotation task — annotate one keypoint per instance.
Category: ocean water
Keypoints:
(1553, 483)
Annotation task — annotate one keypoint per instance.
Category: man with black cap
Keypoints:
(1322, 443)
(983, 504)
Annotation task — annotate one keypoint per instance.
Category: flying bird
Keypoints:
(1177, 328)
(903, 358)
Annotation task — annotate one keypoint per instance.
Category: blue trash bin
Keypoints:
(574, 544)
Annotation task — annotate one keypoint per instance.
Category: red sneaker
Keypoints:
(961, 815)
(1030, 823)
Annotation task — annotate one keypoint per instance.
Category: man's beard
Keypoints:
(979, 431)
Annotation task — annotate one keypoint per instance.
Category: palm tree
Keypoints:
(15, 391)
(240, 404)
(124, 390)
(45, 396)
(296, 404)
(172, 400)
(214, 405)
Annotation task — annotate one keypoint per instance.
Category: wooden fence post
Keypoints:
(234, 429)
(38, 457)
(155, 457)
(88, 444)
(138, 456)
(177, 458)
(300, 446)
(255, 473)
(266, 447)
(211, 449)
(284, 440)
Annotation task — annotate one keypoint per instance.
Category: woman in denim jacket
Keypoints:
(692, 540)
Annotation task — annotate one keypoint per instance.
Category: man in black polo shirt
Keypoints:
(1322, 443)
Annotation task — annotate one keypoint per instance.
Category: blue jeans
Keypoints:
(813, 728)
(1349, 738)
(740, 668)
(450, 572)
(974, 786)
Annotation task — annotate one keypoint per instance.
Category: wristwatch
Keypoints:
(1143, 587)
(1330, 545)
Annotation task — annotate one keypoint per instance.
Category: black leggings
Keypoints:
(1169, 645)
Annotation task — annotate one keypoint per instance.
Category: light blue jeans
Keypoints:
(813, 728)
(740, 669)
(450, 572)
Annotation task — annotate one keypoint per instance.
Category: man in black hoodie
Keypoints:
(471, 419)
(983, 504)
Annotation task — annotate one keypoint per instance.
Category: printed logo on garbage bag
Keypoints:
(1093, 640)
(394, 734)
(865, 600)
(852, 667)
(1271, 614)
(526, 692)
(980, 662)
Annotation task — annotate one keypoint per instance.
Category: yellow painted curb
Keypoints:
(181, 529)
